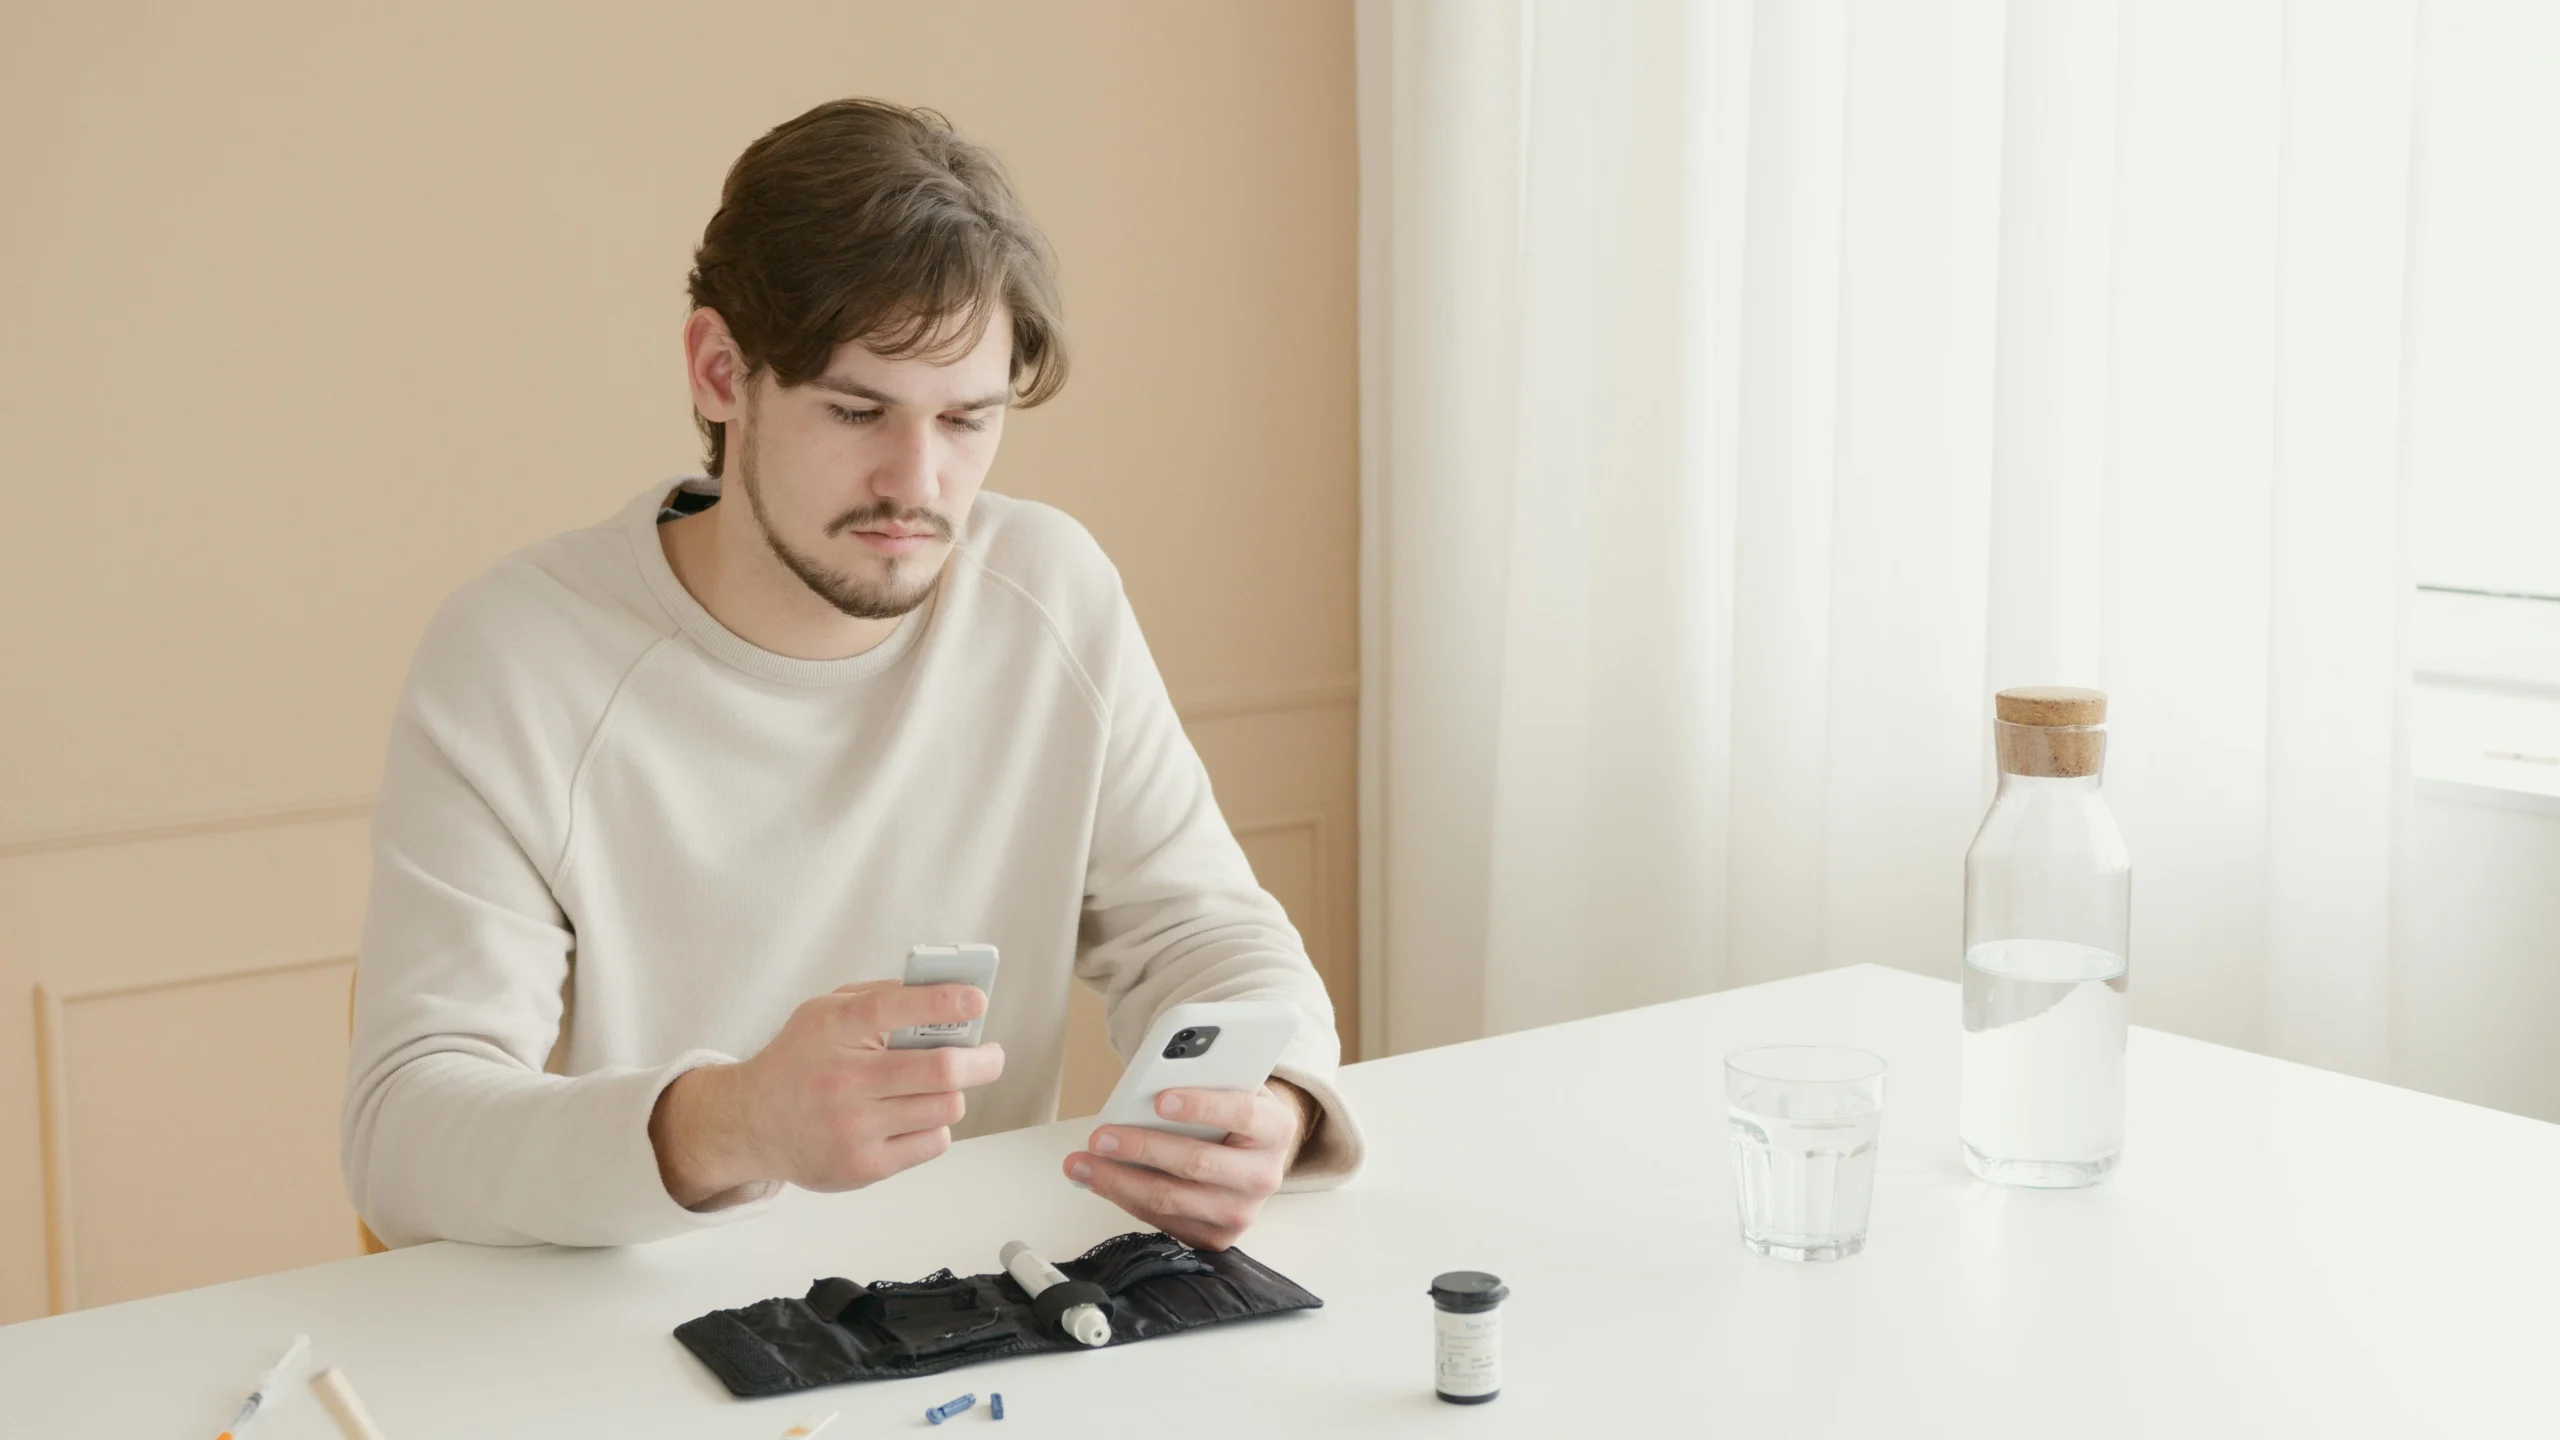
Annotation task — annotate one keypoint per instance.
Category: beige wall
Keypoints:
(313, 310)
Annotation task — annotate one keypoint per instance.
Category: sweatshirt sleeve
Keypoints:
(451, 1128)
(1173, 913)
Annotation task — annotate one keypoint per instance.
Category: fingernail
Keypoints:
(1080, 1170)
(1170, 1104)
(1106, 1142)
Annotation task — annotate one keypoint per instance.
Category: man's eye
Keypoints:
(965, 422)
(854, 417)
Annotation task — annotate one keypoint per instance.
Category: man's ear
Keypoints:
(713, 367)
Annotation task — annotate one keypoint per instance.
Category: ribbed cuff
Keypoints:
(1333, 1154)
(644, 1209)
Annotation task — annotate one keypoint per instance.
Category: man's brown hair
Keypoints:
(863, 220)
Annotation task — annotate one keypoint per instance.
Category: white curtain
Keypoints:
(1750, 390)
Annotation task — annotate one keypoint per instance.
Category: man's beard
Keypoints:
(887, 598)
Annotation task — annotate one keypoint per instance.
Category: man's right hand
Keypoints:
(827, 1105)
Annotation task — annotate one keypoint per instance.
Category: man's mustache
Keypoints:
(874, 517)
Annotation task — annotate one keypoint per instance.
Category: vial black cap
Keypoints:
(1466, 1290)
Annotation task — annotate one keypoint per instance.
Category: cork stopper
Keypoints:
(2052, 705)
(2051, 730)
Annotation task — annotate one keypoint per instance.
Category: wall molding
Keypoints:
(187, 823)
(53, 1098)
(1319, 826)
(1219, 702)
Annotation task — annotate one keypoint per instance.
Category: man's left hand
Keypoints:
(1204, 1193)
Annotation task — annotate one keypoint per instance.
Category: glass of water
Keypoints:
(1804, 1120)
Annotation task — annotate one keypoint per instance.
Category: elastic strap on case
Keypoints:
(1058, 1299)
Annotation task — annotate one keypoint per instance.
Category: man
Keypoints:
(735, 749)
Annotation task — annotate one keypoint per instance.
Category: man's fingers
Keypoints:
(865, 1014)
(1159, 1196)
(1202, 1162)
(877, 1160)
(922, 1072)
(905, 1152)
(906, 1114)
(1250, 1114)
(1198, 1215)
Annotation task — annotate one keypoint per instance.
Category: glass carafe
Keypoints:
(2047, 910)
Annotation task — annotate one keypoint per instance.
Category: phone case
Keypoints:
(948, 965)
(1251, 1035)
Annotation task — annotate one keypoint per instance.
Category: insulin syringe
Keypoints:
(267, 1384)
(1085, 1322)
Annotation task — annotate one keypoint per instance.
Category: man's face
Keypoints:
(861, 478)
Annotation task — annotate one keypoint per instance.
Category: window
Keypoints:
(2485, 484)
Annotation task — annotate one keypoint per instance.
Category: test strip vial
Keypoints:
(1466, 1366)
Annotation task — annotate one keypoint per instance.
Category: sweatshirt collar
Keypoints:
(639, 522)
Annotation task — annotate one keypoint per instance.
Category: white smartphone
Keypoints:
(948, 965)
(1206, 1045)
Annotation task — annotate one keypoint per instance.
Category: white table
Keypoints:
(2285, 1252)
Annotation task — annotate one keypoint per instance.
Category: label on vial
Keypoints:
(1469, 1352)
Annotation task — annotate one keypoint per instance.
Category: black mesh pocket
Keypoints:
(1222, 1285)
(1125, 1260)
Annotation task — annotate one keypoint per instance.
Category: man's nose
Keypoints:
(909, 471)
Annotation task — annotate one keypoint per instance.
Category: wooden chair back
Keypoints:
(365, 1237)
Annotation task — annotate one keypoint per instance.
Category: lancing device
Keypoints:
(1074, 1306)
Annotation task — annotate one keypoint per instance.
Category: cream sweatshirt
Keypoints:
(590, 779)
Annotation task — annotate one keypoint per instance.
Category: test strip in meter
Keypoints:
(948, 965)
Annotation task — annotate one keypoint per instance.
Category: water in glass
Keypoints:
(1803, 1124)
